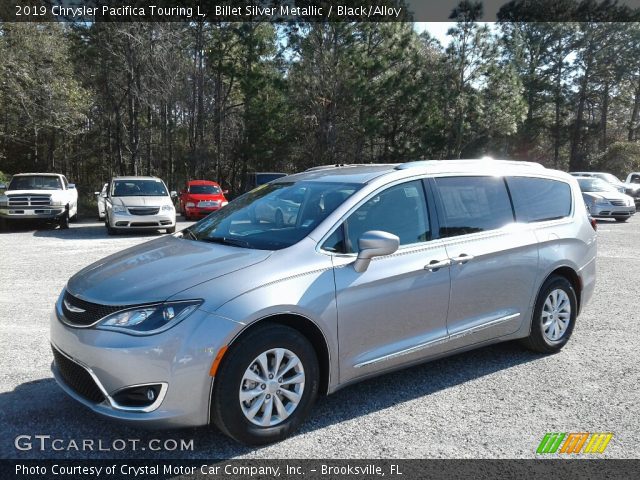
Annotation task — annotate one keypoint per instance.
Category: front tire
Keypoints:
(265, 386)
(554, 316)
(110, 229)
(63, 222)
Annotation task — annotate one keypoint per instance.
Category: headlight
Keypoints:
(167, 207)
(56, 202)
(190, 204)
(119, 209)
(150, 319)
(600, 201)
(222, 204)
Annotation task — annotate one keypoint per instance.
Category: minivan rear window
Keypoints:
(539, 199)
(473, 204)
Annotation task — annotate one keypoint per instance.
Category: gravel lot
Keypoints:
(494, 402)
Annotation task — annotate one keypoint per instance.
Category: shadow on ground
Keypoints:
(41, 408)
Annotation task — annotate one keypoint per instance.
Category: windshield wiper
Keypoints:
(189, 233)
(227, 241)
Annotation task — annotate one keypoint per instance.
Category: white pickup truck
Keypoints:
(47, 196)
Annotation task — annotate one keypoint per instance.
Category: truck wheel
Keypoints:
(63, 222)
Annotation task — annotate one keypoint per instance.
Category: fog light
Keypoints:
(140, 396)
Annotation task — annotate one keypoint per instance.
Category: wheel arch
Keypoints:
(308, 329)
(572, 276)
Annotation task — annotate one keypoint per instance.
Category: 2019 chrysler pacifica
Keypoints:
(243, 322)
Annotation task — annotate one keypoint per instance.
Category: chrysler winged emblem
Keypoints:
(73, 308)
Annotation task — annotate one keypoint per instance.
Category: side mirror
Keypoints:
(224, 192)
(374, 243)
(174, 194)
(72, 186)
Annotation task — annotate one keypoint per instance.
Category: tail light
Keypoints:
(594, 223)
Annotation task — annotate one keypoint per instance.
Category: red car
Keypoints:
(200, 198)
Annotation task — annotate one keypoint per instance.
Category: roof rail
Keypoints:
(338, 165)
(485, 160)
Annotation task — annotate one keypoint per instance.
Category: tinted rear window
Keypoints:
(539, 199)
(473, 204)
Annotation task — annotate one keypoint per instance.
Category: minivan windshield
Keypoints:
(139, 188)
(35, 182)
(595, 185)
(273, 216)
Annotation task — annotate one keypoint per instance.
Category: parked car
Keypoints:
(139, 203)
(282, 210)
(607, 177)
(384, 267)
(632, 185)
(255, 179)
(101, 198)
(634, 178)
(200, 198)
(604, 201)
(42, 196)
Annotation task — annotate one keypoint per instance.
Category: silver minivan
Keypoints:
(242, 322)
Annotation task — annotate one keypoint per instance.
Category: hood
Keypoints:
(140, 201)
(33, 192)
(606, 195)
(157, 270)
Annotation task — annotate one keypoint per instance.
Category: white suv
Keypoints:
(139, 203)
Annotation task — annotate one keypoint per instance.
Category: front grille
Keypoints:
(144, 210)
(77, 377)
(90, 314)
(29, 200)
(618, 203)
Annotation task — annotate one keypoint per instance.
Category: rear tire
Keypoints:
(281, 401)
(554, 316)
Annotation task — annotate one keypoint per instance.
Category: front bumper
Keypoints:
(179, 359)
(200, 211)
(30, 213)
(152, 222)
(611, 211)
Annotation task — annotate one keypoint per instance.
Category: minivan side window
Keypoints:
(400, 210)
(473, 204)
(539, 199)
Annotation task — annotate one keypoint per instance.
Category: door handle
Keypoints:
(435, 265)
(462, 259)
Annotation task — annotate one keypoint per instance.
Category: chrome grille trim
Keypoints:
(29, 200)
